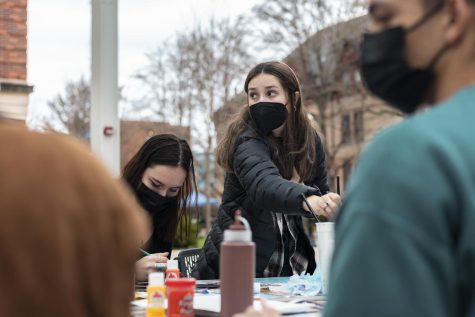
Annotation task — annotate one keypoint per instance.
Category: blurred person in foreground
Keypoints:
(404, 241)
(69, 233)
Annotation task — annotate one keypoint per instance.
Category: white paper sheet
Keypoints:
(212, 303)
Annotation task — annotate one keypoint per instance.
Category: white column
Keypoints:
(104, 84)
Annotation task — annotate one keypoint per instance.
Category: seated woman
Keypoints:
(162, 176)
(69, 233)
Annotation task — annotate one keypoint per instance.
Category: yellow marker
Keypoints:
(156, 295)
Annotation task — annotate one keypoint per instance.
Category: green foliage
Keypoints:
(190, 240)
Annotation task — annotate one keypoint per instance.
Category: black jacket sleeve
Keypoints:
(320, 173)
(261, 180)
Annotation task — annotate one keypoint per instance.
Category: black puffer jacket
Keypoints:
(257, 188)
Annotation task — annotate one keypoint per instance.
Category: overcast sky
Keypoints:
(59, 38)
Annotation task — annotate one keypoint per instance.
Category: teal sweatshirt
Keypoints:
(405, 236)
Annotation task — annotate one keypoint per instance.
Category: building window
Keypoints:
(345, 129)
(345, 78)
(358, 127)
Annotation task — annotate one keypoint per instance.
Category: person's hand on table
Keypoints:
(265, 312)
(147, 265)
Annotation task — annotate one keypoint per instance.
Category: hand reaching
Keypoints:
(326, 205)
(147, 265)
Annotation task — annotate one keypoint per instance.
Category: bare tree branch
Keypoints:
(188, 77)
(324, 52)
(71, 110)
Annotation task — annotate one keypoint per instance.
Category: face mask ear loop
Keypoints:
(426, 16)
(294, 107)
(437, 57)
(297, 96)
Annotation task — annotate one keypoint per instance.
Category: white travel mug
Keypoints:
(325, 242)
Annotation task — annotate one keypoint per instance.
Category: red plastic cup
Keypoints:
(180, 293)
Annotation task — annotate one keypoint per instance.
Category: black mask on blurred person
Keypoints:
(386, 71)
(152, 201)
(268, 116)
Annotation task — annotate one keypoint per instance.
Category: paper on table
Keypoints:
(204, 302)
(286, 308)
(211, 305)
(142, 303)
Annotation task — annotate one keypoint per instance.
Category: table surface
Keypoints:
(276, 292)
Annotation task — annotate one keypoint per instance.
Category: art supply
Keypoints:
(305, 284)
(237, 267)
(326, 241)
(172, 269)
(209, 284)
(161, 267)
(180, 294)
(156, 295)
(309, 207)
(338, 185)
(144, 252)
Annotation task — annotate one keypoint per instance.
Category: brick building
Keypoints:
(14, 89)
(344, 114)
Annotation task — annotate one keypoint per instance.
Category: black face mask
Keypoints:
(268, 116)
(386, 71)
(151, 201)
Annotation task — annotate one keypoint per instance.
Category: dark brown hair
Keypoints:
(167, 149)
(298, 146)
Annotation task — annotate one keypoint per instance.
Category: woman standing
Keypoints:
(273, 158)
(163, 178)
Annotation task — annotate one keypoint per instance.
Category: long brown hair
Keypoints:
(167, 149)
(298, 148)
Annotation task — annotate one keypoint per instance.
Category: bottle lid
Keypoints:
(172, 264)
(156, 278)
(180, 282)
(240, 230)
